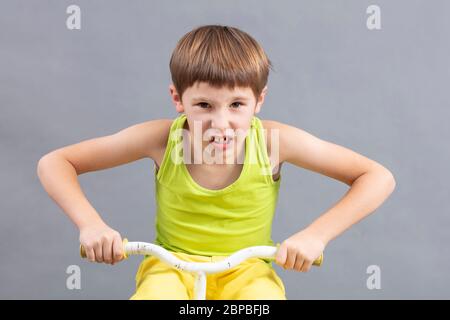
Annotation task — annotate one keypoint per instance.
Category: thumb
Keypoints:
(281, 256)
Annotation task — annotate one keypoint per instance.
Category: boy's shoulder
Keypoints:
(271, 129)
(280, 136)
(156, 133)
(269, 125)
(276, 128)
(163, 128)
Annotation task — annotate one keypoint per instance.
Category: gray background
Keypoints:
(382, 93)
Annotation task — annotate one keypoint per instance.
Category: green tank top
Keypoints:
(200, 221)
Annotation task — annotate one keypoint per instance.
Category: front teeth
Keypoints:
(221, 140)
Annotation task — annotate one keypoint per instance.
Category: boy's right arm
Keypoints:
(58, 171)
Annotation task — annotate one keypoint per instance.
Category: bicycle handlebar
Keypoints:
(144, 248)
(199, 268)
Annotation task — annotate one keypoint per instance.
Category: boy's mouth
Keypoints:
(221, 142)
(221, 139)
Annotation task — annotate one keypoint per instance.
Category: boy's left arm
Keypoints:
(370, 184)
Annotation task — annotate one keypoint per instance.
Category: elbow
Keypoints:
(44, 163)
(385, 177)
(41, 164)
(390, 180)
(393, 182)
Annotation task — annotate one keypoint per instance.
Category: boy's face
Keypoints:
(218, 111)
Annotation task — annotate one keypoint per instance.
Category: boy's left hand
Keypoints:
(299, 251)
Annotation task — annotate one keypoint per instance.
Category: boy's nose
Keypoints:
(220, 122)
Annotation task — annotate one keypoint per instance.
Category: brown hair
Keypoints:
(219, 55)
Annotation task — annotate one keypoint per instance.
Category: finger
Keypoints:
(90, 254)
(299, 262)
(290, 261)
(98, 252)
(280, 258)
(107, 251)
(306, 266)
(117, 249)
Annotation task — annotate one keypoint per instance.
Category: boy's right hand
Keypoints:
(102, 244)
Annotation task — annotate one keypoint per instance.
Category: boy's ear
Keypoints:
(176, 99)
(260, 100)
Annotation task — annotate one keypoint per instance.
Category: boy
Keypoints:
(217, 175)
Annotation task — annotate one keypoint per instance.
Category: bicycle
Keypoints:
(200, 269)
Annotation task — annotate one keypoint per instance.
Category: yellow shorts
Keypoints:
(253, 279)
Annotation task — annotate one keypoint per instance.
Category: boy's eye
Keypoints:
(203, 105)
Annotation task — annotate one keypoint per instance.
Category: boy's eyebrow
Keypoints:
(206, 99)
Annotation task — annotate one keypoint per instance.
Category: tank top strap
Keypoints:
(259, 157)
(173, 155)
